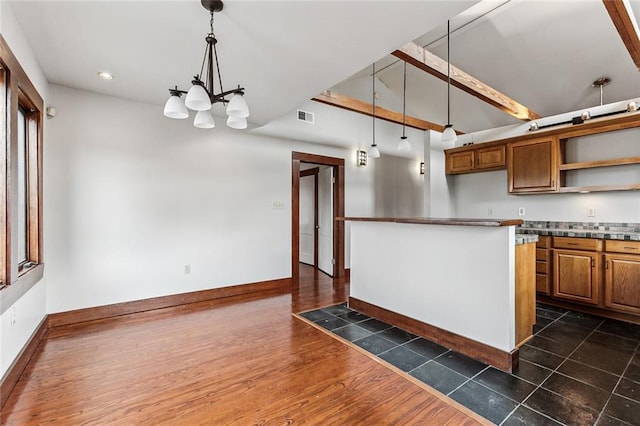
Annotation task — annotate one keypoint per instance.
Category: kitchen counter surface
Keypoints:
(438, 221)
(581, 233)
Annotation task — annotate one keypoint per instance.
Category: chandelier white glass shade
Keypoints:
(449, 135)
(237, 122)
(175, 108)
(202, 96)
(204, 120)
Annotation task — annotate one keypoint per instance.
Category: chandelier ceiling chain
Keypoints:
(202, 96)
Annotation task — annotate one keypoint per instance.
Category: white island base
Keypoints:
(452, 281)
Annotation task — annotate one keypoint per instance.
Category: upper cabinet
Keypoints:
(601, 154)
(470, 159)
(533, 165)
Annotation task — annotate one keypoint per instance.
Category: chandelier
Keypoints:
(202, 96)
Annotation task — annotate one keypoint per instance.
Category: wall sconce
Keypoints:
(361, 158)
(422, 168)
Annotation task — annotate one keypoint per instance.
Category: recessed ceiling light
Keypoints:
(106, 75)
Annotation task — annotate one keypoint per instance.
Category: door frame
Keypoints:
(338, 211)
(313, 172)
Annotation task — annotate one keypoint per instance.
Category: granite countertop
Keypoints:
(602, 231)
(437, 221)
(526, 238)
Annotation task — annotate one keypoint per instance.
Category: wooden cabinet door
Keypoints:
(493, 157)
(575, 276)
(622, 282)
(459, 162)
(533, 165)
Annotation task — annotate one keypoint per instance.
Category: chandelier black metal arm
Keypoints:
(202, 94)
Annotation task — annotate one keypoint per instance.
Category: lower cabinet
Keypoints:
(543, 265)
(576, 276)
(622, 282)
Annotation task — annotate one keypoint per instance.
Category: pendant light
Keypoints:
(374, 152)
(404, 144)
(449, 135)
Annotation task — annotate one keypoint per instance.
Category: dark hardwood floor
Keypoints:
(240, 360)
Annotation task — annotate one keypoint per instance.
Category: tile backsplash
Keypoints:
(604, 230)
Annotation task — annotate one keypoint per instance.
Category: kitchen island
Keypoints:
(463, 283)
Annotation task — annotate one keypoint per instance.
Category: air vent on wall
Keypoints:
(305, 116)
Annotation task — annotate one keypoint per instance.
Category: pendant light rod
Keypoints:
(404, 100)
(373, 101)
(448, 76)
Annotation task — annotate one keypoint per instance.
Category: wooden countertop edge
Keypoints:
(437, 221)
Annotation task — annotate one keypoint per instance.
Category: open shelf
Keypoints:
(601, 163)
(600, 188)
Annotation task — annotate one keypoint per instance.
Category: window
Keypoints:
(20, 177)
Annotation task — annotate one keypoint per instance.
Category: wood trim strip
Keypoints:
(398, 371)
(338, 210)
(11, 377)
(11, 293)
(438, 221)
(310, 172)
(624, 22)
(422, 59)
(506, 361)
(118, 309)
(317, 159)
(361, 107)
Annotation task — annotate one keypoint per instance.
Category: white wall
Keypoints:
(29, 310)
(132, 197)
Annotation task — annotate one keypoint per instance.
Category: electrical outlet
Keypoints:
(490, 211)
(278, 205)
(187, 269)
(13, 315)
(521, 211)
(591, 212)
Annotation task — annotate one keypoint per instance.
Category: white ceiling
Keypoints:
(543, 54)
(282, 52)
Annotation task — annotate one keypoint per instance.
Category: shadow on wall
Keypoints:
(397, 187)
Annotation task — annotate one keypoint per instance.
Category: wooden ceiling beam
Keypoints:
(625, 23)
(421, 58)
(356, 105)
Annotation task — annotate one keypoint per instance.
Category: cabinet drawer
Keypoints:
(571, 243)
(542, 284)
(542, 254)
(631, 247)
(544, 241)
(541, 267)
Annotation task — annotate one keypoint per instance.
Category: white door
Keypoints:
(307, 196)
(325, 220)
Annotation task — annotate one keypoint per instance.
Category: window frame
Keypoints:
(17, 90)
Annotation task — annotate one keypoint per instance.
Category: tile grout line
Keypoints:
(537, 386)
(555, 370)
(617, 384)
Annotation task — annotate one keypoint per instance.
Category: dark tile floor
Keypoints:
(578, 369)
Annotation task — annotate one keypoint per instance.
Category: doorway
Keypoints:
(334, 168)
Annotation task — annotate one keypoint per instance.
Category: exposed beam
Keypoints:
(421, 58)
(624, 21)
(356, 105)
